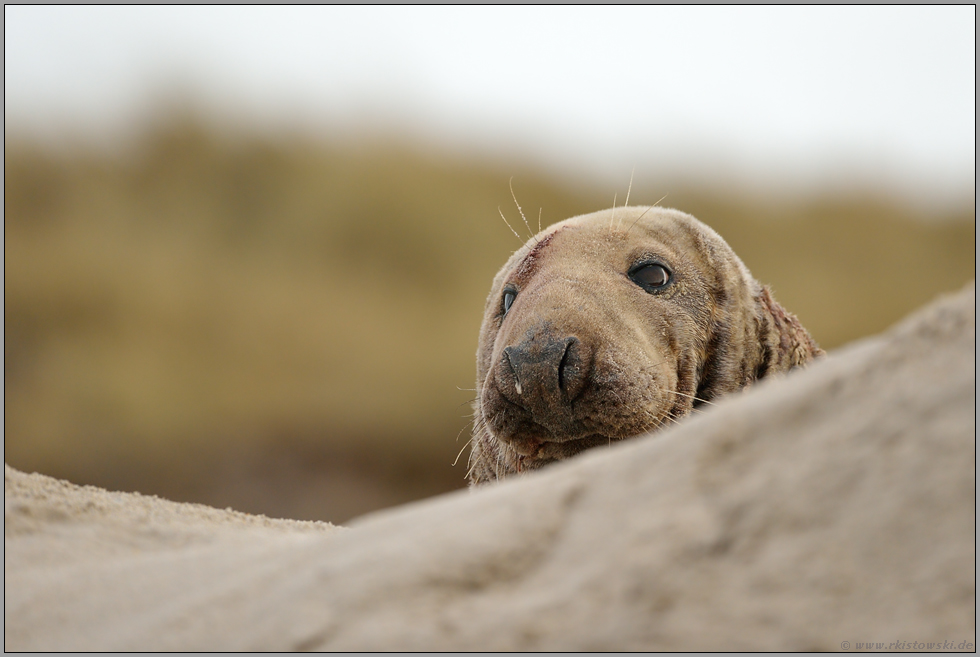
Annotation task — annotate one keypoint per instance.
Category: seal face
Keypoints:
(613, 324)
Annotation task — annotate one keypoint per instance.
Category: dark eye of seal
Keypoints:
(509, 296)
(650, 276)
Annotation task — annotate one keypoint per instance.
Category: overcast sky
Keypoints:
(811, 96)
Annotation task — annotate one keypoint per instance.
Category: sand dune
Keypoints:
(835, 505)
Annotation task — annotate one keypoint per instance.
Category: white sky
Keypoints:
(802, 96)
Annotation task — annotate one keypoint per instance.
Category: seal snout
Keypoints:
(543, 374)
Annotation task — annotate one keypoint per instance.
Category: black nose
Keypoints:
(544, 374)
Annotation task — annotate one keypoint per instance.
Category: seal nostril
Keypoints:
(563, 364)
(513, 369)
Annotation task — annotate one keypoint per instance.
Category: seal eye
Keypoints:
(651, 276)
(509, 296)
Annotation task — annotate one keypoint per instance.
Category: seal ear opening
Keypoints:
(785, 344)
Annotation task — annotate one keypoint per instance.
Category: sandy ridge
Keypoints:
(837, 504)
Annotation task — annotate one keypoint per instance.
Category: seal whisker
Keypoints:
(508, 225)
(456, 460)
(480, 426)
(498, 449)
(514, 196)
(644, 214)
(472, 465)
(464, 429)
(628, 190)
(703, 401)
(658, 420)
(667, 417)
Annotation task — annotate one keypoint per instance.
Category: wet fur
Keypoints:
(639, 361)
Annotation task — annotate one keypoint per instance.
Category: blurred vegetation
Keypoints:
(287, 325)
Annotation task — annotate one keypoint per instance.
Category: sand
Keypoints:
(828, 508)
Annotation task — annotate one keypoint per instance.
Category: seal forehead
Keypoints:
(613, 237)
(530, 263)
(669, 233)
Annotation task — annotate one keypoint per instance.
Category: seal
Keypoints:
(614, 324)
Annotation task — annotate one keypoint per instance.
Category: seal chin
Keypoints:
(534, 453)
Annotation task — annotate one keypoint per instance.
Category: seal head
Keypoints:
(613, 324)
